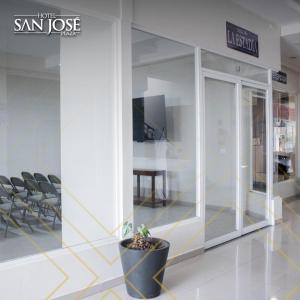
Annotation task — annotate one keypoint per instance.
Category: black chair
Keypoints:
(27, 176)
(5, 209)
(51, 200)
(6, 184)
(10, 188)
(34, 196)
(32, 186)
(19, 186)
(12, 201)
(56, 182)
(54, 179)
(40, 177)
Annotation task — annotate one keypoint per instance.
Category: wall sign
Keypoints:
(47, 23)
(279, 77)
(241, 39)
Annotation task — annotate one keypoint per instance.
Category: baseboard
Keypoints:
(184, 256)
(120, 280)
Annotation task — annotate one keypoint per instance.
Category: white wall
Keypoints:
(29, 98)
(106, 9)
(88, 136)
(3, 121)
(31, 118)
(202, 23)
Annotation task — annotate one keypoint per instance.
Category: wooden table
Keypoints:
(153, 174)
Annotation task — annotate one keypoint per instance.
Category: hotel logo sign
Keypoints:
(241, 39)
(47, 24)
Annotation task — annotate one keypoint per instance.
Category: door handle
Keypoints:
(244, 166)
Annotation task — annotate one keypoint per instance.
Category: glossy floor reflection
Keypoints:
(264, 265)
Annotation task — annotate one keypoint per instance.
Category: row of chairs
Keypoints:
(40, 177)
(33, 194)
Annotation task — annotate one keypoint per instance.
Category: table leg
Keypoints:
(153, 191)
(138, 188)
(164, 189)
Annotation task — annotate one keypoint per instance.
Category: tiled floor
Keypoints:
(264, 265)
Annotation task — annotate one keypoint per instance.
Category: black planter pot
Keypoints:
(140, 266)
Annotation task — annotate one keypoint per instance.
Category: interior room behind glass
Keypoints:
(284, 126)
(163, 130)
(30, 136)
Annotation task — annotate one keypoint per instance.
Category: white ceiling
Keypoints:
(286, 15)
(280, 12)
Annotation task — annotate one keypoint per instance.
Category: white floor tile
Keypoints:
(264, 265)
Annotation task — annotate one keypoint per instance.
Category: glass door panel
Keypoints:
(253, 149)
(220, 158)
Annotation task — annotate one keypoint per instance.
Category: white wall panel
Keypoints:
(88, 132)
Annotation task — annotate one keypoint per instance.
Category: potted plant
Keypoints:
(143, 260)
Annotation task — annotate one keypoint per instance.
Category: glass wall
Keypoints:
(284, 126)
(164, 130)
(30, 203)
(231, 66)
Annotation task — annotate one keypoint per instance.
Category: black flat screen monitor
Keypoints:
(149, 119)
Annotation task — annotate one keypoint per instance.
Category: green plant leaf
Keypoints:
(143, 230)
(127, 229)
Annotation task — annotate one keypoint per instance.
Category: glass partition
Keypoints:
(164, 130)
(30, 157)
(284, 135)
(232, 66)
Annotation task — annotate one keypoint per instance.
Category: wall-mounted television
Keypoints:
(149, 118)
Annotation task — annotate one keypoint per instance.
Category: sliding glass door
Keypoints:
(253, 153)
(221, 189)
(235, 158)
